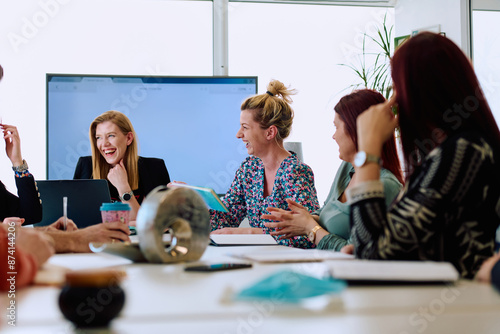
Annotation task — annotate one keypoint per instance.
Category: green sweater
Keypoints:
(334, 215)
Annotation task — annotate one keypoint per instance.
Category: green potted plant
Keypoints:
(376, 75)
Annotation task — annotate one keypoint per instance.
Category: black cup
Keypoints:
(91, 299)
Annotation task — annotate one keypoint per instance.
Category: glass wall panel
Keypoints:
(302, 46)
(486, 54)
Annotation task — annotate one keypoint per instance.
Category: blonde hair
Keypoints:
(273, 108)
(100, 168)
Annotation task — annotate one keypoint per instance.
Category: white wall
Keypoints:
(93, 37)
(122, 37)
(305, 54)
(486, 55)
(450, 14)
(163, 38)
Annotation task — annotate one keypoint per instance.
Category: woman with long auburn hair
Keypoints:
(449, 210)
(328, 227)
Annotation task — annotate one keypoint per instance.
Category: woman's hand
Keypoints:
(105, 232)
(484, 273)
(13, 220)
(238, 230)
(99, 233)
(347, 249)
(174, 184)
(78, 240)
(119, 178)
(375, 126)
(59, 225)
(292, 223)
(12, 144)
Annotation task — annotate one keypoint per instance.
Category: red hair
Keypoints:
(438, 94)
(349, 107)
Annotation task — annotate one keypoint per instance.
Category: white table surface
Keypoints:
(165, 297)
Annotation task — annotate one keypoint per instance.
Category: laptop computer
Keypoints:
(85, 198)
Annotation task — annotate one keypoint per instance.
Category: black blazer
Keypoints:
(152, 173)
(26, 206)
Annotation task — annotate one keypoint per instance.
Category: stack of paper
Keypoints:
(242, 240)
(394, 271)
(288, 254)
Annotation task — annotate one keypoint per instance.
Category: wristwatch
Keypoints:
(362, 158)
(127, 196)
(312, 235)
(21, 168)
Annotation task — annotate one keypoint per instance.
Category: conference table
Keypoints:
(163, 298)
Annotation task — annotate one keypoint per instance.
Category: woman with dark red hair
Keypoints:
(449, 210)
(328, 227)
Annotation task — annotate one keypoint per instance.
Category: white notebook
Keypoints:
(241, 239)
(394, 271)
(285, 254)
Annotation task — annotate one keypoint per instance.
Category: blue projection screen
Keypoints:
(190, 122)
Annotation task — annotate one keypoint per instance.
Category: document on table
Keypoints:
(394, 271)
(242, 239)
(288, 254)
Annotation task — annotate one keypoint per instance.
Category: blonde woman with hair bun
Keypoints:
(270, 174)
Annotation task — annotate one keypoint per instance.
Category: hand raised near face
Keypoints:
(12, 144)
(376, 124)
(119, 178)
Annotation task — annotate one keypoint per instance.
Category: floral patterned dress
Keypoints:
(245, 197)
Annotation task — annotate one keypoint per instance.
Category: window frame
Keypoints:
(220, 19)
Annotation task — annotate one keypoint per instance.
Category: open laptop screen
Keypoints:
(84, 200)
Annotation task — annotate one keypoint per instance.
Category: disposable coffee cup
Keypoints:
(115, 212)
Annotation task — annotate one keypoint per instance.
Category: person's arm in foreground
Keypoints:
(23, 250)
(77, 241)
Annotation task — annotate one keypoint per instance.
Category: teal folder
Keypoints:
(208, 195)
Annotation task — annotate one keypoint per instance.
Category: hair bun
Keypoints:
(278, 89)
